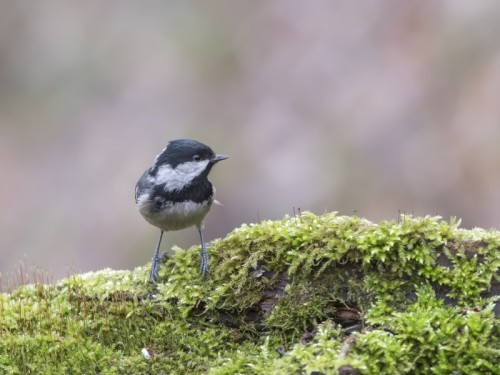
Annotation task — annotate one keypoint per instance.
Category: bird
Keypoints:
(175, 193)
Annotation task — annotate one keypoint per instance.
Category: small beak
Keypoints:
(219, 157)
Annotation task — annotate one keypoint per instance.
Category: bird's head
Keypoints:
(183, 161)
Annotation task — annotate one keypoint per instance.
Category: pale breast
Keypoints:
(174, 216)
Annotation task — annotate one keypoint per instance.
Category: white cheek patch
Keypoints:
(177, 178)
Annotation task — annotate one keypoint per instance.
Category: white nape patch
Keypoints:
(177, 178)
(162, 151)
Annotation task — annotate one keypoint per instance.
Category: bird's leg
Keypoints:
(155, 262)
(204, 255)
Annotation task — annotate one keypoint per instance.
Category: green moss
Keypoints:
(429, 335)
(424, 291)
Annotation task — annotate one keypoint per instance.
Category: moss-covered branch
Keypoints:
(307, 293)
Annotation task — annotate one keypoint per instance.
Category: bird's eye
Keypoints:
(196, 157)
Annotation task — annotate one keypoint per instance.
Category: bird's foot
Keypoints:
(155, 266)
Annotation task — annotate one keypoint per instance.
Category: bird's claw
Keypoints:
(155, 267)
(156, 261)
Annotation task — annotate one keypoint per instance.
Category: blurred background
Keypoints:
(369, 108)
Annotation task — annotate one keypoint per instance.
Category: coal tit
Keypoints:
(175, 193)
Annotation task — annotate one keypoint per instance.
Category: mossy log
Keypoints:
(306, 294)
